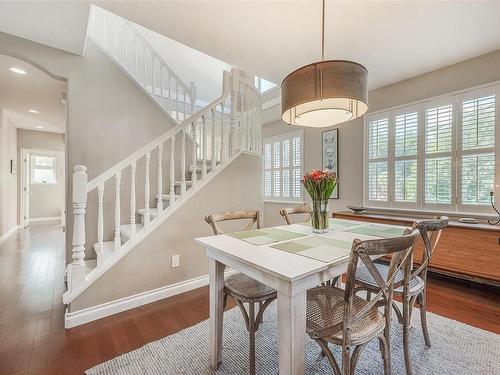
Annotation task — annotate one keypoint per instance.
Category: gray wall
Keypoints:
(109, 116)
(45, 200)
(8, 181)
(469, 73)
(238, 187)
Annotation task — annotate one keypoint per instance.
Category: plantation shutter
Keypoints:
(378, 141)
(478, 147)
(438, 140)
(405, 150)
(283, 167)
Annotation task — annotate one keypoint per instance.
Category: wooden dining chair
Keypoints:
(430, 231)
(242, 288)
(340, 317)
(287, 212)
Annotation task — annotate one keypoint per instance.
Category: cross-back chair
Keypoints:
(289, 211)
(340, 317)
(242, 288)
(430, 232)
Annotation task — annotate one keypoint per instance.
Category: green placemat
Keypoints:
(376, 230)
(320, 248)
(265, 236)
(337, 223)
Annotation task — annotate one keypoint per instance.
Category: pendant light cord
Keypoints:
(323, 33)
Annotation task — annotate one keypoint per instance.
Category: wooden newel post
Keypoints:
(76, 270)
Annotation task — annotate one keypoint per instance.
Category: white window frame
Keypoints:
(456, 206)
(53, 168)
(279, 138)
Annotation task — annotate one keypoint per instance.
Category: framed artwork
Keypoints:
(330, 154)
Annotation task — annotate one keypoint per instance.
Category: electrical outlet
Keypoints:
(175, 261)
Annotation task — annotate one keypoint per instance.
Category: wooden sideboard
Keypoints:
(467, 251)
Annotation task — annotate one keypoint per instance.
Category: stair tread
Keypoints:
(152, 211)
(125, 229)
(188, 182)
(167, 196)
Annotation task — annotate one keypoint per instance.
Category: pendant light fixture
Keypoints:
(324, 93)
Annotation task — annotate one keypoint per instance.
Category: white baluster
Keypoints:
(125, 47)
(192, 95)
(177, 100)
(204, 146)
(100, 221)
(194, 156)
(147, 214)
(184, 104)
(132, 199)
(118, 239)
(145, 68)
(213, 135)
(160, 180)
(162, 93)
(169, 94)
(183, 162)
(153, 78)
(76, 270)
(172, 171)
(136, 58)
(223, 145)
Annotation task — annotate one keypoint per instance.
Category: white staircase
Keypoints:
(182, 164)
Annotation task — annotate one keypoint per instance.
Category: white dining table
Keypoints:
(291, 274)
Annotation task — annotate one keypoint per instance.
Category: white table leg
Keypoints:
(216, 277)
(292, 328)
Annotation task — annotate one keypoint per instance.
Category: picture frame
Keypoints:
(330, 155)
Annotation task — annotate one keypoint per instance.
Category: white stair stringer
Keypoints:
(130, 244)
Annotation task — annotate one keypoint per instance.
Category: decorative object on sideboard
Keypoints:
(330, 155)
(324, 93)
(358, 210)
(319, 185)
(468, 220)
(492, 200)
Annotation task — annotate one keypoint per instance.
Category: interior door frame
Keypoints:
(25, 176)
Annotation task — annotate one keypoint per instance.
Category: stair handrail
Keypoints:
(104, 176)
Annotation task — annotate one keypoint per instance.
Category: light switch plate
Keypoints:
(175, 261)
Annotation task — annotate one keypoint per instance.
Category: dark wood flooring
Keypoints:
(32, 335)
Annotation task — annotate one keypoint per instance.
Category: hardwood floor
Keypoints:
(32, 335)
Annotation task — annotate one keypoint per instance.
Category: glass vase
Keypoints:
(319, 216)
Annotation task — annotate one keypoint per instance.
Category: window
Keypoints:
(43, 169)
(283, 167)
(263, 85)
(437, 155)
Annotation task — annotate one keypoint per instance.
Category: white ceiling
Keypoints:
(394, 39)
(59, 24)
(35, 90)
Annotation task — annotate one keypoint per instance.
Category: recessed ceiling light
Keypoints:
(39, 127)
(17, 70)
(33, 111)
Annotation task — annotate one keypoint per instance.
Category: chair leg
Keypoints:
(261, 315)
(423, 317)
(326, 351)
(386, 355)
(251, 332)
(368, 295)
(406, 333)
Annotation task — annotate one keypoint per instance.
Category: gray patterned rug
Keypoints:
(456, 349)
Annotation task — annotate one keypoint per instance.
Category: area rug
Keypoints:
(456, 349)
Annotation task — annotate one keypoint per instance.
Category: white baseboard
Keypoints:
(73, 319)
(8, 233)
(39, 219)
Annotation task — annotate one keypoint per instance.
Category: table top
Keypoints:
(292, 252)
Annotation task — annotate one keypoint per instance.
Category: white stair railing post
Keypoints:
(177, 100)
(213, 135)
(183, 162)
(172, 171)
(236, 101)
(194, 156)
(204, 147)
(160, 180)
(133, 167)
(118, 239)
(100, 221)
(223, 145)
(147, 214)
(169, 93)
(76, 270)
(192, 95)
